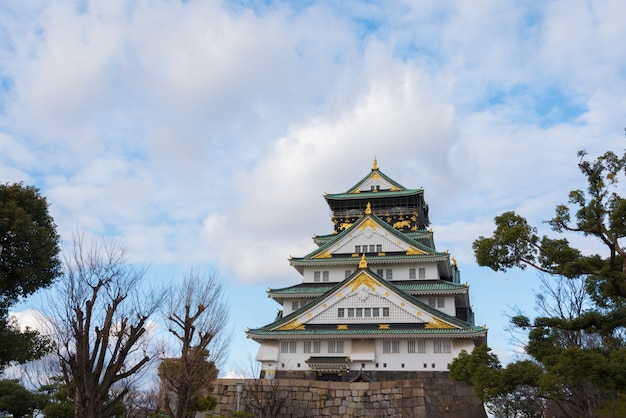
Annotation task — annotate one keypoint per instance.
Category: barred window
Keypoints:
(284, 346)
(335, 347)
(340, 312)
(316, 276)
(391, 346)
(385, 311)
(292, 346)
(422, 273)
(411, 273)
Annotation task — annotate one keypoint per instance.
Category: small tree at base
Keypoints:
(197, 316)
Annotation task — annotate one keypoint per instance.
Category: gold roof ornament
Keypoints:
(363, 262)
(375, 165)
(368, 209)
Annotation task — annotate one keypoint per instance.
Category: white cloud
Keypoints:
(207, 132)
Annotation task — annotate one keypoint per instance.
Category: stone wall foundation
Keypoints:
(432, 395)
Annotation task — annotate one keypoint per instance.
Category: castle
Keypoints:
(377, 301)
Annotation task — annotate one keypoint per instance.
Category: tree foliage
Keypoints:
(29, 261)
(29, 243)
(577, 347)
(18, 401)
(197, 316)
(100, 325)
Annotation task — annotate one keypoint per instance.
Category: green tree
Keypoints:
(29, 261)
(580, 359)
(18, 401)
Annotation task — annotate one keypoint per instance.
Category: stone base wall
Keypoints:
(432, 395)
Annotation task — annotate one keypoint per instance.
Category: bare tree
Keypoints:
(100, 320)
(197, 316)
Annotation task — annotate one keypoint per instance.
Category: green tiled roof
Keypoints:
(423, 306)
(411, 286)
(367, 194)
(339, 332)
(399, 235)
(381, 174)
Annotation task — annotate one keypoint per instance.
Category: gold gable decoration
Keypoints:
(368, 222)
(292, 325)
(375, 165)
(438, 324)
(414, 251)
(325, 254)
(363, 279)
(363, 262)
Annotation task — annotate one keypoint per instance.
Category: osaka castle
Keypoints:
(377, 301)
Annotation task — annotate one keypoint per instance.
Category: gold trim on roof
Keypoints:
(414, 251)
(383, 326)
(368, 209)
(437, 324)
(363, 279)
(363, 262)
(342, 327)
(292, 325)
(375, 165)
(325, 254)
(368, 222)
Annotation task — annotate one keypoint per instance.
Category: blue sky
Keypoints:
(204, 133)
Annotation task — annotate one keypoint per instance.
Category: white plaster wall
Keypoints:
(382, 362)
(400, 271)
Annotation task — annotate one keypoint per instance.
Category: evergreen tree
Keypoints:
(578, 362)
(29, 261)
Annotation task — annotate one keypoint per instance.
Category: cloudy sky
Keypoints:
(204, 133)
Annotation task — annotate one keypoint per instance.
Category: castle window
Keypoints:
(311, 347)
(316, 276)
(335, 347)
(375, 311)
(385, 311)
(372, 248)
(391, 346)
(348, 273)
(295, 305)
(379, 248)
(388, 274)
(411, 273)
(367, 312)
(442, 346)
(357, 249)
(284, 346)
(441, 302)
(350, 312)
(340, 312)
(422, 273)
(432, 302)
(325, 275)
(292, 346)
(418, 346)
(380, 272)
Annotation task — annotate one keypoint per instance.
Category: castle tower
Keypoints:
(377, 301)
